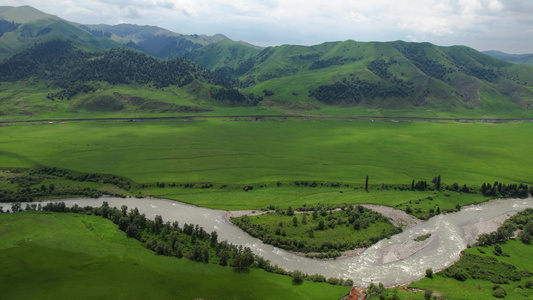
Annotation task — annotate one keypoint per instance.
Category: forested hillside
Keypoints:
(64, 65)
(92, 81)
(376, 75)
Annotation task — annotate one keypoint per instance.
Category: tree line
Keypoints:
(356, 90)
(26, 186)
(522, 221)
(7, 26)
(118, 181)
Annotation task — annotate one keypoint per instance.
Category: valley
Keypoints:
(313, 141)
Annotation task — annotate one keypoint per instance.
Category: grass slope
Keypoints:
(83, 256)
(520, 256)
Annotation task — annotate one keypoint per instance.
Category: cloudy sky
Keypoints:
(505, 25)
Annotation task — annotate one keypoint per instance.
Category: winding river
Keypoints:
(390, 261)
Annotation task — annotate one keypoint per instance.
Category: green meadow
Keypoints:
(245, 152)
(67, 256)
(234, 198)
(450, 288)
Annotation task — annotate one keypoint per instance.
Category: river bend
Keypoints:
(389, 261)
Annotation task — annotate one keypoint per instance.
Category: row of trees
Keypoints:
(506, 191)
(26, 185)
(118, 181)
(30, 194)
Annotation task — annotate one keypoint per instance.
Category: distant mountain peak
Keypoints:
(23, 14)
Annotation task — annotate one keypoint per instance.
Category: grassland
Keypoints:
(261, 152)
(230, 154)
(79, 256)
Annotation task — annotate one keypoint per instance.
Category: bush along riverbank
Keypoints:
(499, 265)
(319, 231)
(426, 207)
(186, 241)
(25, 185)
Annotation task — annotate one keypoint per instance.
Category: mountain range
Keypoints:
(203, 72)
(525, 59)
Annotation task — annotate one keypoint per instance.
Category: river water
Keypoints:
(387, 261)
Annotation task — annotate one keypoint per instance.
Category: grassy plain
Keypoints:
(66, 256)
(223, 151)
(519, 256)
(233, 198)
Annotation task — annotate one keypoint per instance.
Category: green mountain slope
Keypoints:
(397, 75)
(226, 58)
(57, 76)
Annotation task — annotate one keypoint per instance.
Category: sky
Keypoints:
(504, 25)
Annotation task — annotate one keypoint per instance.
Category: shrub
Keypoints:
(460, 275)
(349, 282)
(429, 273)
(499, 293)
(428, 294)
(297, 276)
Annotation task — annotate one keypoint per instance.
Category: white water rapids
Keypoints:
(389, 261)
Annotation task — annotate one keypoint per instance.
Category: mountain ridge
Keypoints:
(371, 74)
(17, 22)
(525, 59)
(375, 75)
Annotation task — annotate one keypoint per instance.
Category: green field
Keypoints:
(231, 154)
(66, 256)
(234, 198)
(262, 152)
